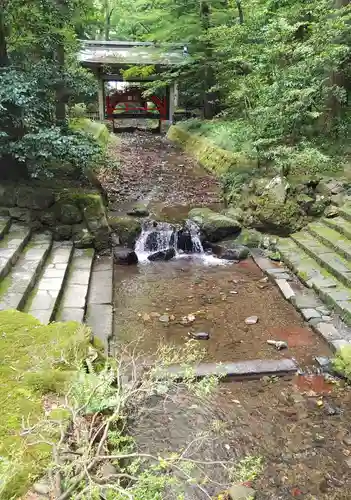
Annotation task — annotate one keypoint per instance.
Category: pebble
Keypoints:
(164, 318)
(240, 492)
(347, 440)
(251, 320)
(199, 336)
(233, 292)
(41, 488)
(348, 462)
(278, 344)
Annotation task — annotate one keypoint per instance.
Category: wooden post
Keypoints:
(101, 97)
(171, 104)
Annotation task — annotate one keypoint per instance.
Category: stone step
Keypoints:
(331, 238)
(100, 309)
(11, 247)
(339, 224)
(5, 223)
(329, 288)
(46, 295)
(325, 256)
(74, 300)
(16, 287)
(345, 211)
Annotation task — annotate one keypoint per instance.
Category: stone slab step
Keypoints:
(74, 299)
(17, 286)
(329, 288)
(100, 310)
(47, 293)
(325, 256)
(331, 238)
(11, 247)
(256, 368)
(345, 211)
(339, 224)
(5, 223)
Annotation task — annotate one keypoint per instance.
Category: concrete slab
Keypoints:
(23, 275)
(101, 287)
(72, 314)
(75, 296)
(242, 369)
(285, 288)
(310, 314)
(11, 247)
(100, 319)
(48, 290)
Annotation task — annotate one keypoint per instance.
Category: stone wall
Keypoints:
(207, 153)
(69, 213)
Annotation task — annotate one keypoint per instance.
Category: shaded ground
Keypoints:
(155, 171)
(305, 450)
(184, 287)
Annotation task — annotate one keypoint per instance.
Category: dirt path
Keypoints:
(155, 171)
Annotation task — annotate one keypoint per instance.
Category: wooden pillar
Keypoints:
(101, 97)
(171, 103)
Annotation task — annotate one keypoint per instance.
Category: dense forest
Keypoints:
(275, 75)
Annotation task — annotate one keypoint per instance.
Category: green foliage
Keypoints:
(40, 70)
(342, 362)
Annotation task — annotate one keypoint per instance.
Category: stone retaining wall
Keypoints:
(68, 213)
(207, 153)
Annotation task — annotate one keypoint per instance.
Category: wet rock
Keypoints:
(199, 336)
(125, 256)
(151, 242)
(238, 253)
(139, 210)
(41, 487)
(278, 344)
(319, 205)
(34, 198)
(347, 440)
(331, 409)
(240, 492)
(184, 241)
(214, 226)
(162, 255)
(62, 232)
(127, 228)
(331, 212)
(251, 320)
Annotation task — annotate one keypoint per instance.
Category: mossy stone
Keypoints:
(62, 232)
(127, 228)
(250, 238)
(213, 225)
(35, 198)
(69, 214)
(276, 217)
(7, 195)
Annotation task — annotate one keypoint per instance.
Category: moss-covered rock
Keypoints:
(7, 195)
(127, 229)
(82, 237)
(275, 217)
(250, 238)
(35, 198)
(25, 376)
(234, 213)
(207, 153)
(69, 214)
(62, 232)
(213, 225)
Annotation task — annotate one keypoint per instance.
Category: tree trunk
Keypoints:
(4, 59)
(240, 11)
(60, 113)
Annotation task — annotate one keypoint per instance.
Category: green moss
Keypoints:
(34, 359)
(127, 228)
(207, 153)
(98, 130)
(276, 217)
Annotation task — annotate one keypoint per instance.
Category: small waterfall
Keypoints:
(160, 236)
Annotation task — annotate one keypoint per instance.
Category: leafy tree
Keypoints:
(39, 75)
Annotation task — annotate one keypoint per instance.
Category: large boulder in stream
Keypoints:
(238, 253)
(162, 255)
(124, 256)
(184, 241)
(214, 226)
(127, 228)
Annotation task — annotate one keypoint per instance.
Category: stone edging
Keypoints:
(209, 155)
(335, 332)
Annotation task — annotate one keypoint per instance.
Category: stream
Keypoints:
(281, 421)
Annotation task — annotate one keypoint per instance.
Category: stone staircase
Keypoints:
(320, 255)
(54, 281)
